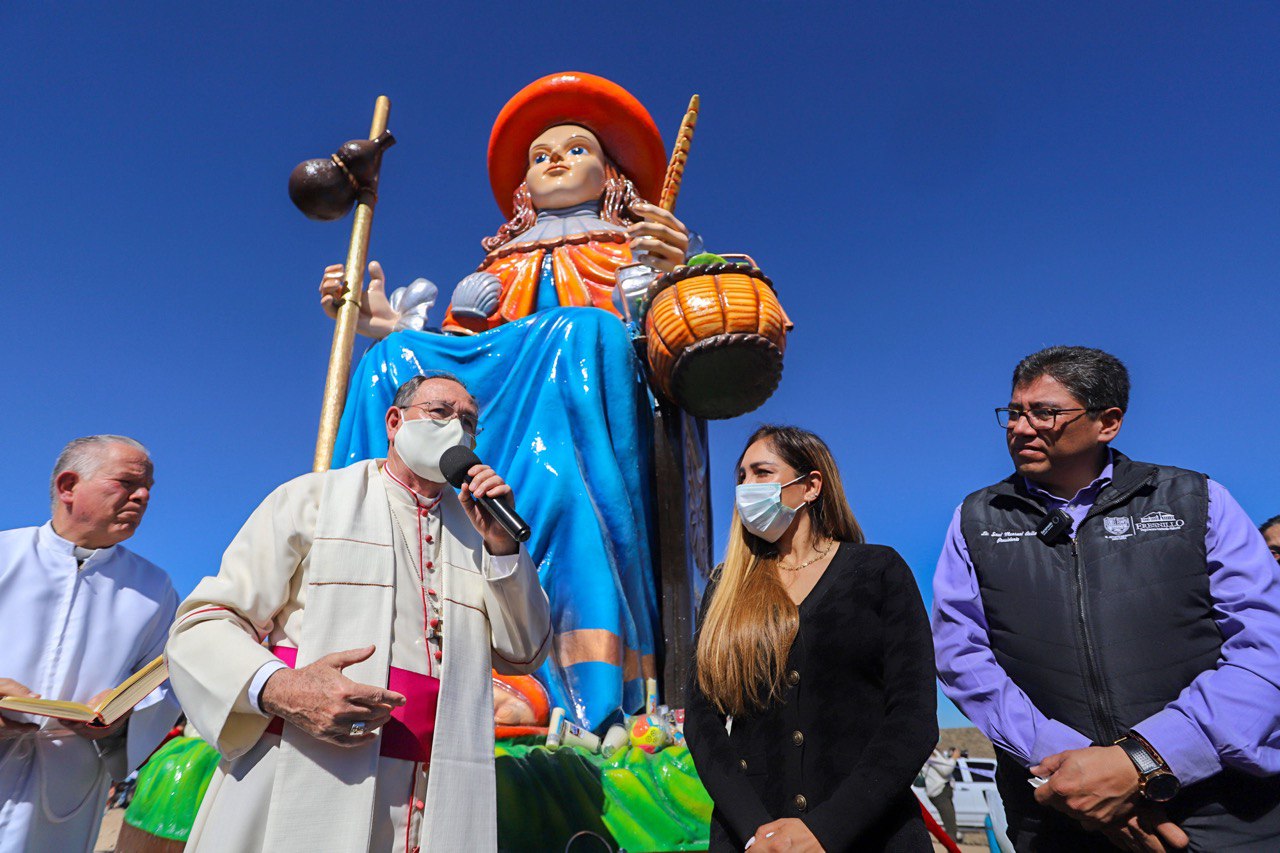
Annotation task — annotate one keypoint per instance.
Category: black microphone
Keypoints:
(1054, 527)
(454, 464)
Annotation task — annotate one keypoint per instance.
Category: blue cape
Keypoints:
(567, 420)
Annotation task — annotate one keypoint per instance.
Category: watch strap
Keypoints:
(1142, 759)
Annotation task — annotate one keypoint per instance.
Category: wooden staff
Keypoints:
(344, 332)
(679, 156)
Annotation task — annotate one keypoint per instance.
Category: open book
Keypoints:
(112, 707)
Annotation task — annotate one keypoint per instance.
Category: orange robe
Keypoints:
(584, 270)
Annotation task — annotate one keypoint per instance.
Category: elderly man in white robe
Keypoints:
(79, 613)
(341, 659)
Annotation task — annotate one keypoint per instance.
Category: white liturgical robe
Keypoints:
(340, 560)
(69, 632)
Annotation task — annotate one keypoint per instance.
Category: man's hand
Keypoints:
(659, 236)
(1149, 830)
(377, 317)
(94, 731)
(787, 834)
(1097, 783)
(13, 728)
(324, 703)
(485, 481)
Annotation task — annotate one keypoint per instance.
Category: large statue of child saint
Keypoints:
(574, 163)
(572, 158)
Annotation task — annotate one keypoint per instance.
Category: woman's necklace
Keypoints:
(809, 562)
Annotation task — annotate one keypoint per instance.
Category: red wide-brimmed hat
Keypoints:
(621, 123)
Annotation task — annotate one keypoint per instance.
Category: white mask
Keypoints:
(762, 511)
(422, 441)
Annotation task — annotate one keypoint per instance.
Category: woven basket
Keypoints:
(716, 335)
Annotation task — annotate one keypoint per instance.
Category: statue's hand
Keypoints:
(377, 317)
(659, 239)
(476, 296)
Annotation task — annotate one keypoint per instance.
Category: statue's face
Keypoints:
(566, 167)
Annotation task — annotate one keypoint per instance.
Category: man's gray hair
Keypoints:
(1097, 379)
(84, 456)
(404, 394)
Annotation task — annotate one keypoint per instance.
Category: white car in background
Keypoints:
(970, 782)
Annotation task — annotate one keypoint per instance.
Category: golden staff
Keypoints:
(324, 189)
(679, 156)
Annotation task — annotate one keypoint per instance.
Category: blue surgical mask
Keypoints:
(762, 511)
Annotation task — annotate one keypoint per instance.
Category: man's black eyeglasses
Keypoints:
(1038, 418)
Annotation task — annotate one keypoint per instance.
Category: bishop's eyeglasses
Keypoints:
(439, 410)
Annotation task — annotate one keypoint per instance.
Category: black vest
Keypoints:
(1104, 630)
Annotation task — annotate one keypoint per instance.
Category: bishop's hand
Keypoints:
(325, 704)
(483, 480)
(377, 317)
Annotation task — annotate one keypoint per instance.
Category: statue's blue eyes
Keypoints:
(542, 157)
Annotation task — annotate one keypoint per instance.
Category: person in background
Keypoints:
(814, 649)
(79, 614)
(937, 787)
(1270, 531)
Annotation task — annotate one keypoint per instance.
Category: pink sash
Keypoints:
(407, 735)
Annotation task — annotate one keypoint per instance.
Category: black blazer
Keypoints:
(857, 721)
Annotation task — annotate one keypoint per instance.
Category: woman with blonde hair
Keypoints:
(812, 703)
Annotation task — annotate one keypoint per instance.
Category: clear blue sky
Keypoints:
(936, 189)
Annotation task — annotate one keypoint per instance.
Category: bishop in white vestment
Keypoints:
(77, 620)
(381, 555)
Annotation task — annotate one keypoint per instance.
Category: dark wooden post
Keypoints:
(682, 492)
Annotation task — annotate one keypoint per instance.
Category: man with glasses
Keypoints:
(345, 647)
(79, 614)
(1113, 627)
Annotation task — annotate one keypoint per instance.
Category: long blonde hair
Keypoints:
(751, 621)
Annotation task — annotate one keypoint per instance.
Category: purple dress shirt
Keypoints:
(1228, 716)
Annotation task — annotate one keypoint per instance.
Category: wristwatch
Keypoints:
(1156, 781)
